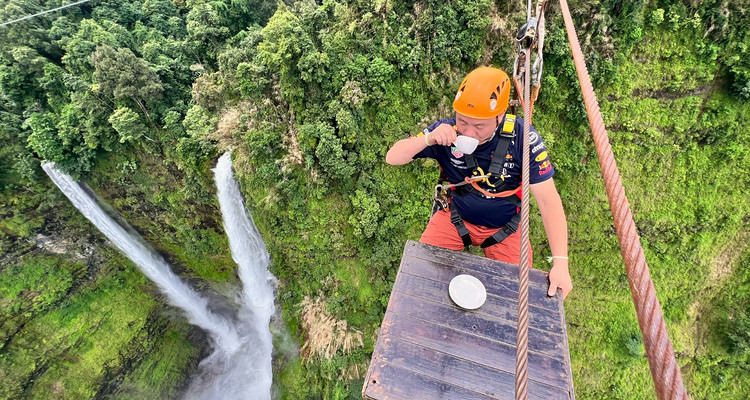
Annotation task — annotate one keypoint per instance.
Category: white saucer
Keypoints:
(467, 292)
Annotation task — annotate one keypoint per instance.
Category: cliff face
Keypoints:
(80, 321)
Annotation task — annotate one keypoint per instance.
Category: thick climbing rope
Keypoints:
(527, 39)
(522, 337)
(531, 36)
(664, 369)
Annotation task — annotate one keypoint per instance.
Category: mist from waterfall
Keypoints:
(239, 366)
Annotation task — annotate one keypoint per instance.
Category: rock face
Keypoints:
(51, 245)
(61, 246)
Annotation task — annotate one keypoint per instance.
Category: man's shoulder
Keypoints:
(534, 137)
(449, 121)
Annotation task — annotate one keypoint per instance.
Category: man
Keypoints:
(488, 216)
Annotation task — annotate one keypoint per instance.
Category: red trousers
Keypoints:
(441, 232)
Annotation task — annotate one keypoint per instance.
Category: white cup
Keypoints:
(466, 144)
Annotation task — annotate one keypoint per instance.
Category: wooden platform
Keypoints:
(428, 348)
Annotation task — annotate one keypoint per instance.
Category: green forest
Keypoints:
(138, 99)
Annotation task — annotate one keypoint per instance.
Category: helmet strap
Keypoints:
(497, 127)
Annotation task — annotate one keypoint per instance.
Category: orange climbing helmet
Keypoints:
(484, 93)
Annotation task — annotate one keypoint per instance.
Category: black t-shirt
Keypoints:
(475, 207)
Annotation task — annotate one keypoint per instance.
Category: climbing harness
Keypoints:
(498, 188)
(444, 193)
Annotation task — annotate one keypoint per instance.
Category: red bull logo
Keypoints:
(545, 167)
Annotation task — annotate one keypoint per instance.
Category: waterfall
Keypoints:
(149, 262)
(240, 365)
(246, 374)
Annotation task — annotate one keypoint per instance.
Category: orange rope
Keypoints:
(664, 369)
(506, 193)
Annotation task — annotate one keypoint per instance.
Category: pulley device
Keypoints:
(529, 38)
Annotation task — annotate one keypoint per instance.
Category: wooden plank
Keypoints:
(455, 371)
(539, 318)
(411, 385)
(494, 285)
(569, 365)
(477, 323)
(500, 356)
(471, 261)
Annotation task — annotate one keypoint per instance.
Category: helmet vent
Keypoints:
(493, 96)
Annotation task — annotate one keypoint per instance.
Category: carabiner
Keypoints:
(440, 192)
(479, 175)
(527, 33)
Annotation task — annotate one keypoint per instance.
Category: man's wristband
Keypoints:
(560, 257)
(426, 141)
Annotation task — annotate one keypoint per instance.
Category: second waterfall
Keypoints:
(245, 374)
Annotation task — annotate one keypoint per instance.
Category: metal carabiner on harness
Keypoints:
(440, 196)
(529, 38)
(527, 33)
(441, 191)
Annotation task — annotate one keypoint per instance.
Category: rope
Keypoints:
(522, 339)
(664, 369)
(522, 335)
(479, 189)
(42, 13)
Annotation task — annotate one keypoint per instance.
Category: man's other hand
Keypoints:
(559, 277)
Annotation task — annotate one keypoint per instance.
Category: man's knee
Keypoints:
(441, 232)
(509, 250)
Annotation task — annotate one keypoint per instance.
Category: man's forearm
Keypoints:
(553, 216)
(404, 150)
(556, 227)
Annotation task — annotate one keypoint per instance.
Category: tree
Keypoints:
(19, 79)
(69, 152)
(239, 14)
(332, 157)
(44, 139)
(128, 125)
(205, 31)
(124, 76)
(90, 35)
(31, 33)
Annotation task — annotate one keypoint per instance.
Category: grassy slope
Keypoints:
(75, 335)
(678, 139)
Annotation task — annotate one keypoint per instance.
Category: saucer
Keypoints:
(467, 292)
